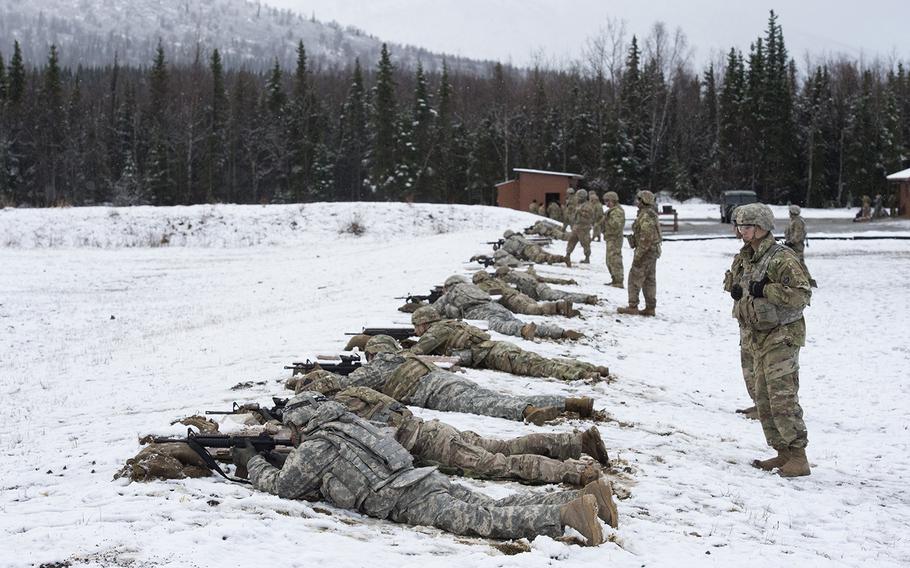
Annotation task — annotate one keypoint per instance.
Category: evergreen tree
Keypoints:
(350, 172)
(301, 130)
(217, 158)
(443, 181)
(50, 132)
(159, 179)
(732, 125)
(629, 155)
(384, 127)
(422, 148)
(4, 89)
(16, 76)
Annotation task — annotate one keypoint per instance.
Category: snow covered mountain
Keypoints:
(248, 33)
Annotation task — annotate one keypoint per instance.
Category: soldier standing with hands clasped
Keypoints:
(645, 240)
(770, 296)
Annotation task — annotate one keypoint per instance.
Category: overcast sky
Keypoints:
(515, 30)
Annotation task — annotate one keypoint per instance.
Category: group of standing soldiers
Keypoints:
(583, 213)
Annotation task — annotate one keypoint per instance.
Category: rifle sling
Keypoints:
(210, 461)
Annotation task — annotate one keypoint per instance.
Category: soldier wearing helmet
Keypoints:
(613, 225)
(645, 241)
(770, 295)
(597, 227)
(582, 222)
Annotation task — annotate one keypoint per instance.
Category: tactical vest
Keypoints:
(404, 379)
(372, 405)
(464, 335)
(760, 314)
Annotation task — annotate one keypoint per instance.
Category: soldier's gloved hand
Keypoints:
(788, 244)
(757, 289)
(243, 454)
(736, 292)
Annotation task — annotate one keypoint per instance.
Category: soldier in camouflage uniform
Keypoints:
(568, 210)
(597, 227)
(582, 220)
(534, 208)
(534, 458)
(546, 229)
(535, 286)
(795, 238)
(554, 211)
(522, 249)
(733, 276)
(466, 301)
(474, 348)
(520, 303)
(770, 297)
(645, 240)
(613, 224)
(350, 463)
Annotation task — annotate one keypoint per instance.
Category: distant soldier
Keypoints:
(583, 220)
(795, 238)
(474, 348)
(554, 211)
(520, 303)
(645, 240)
(568, 210)
(534, 207)
(614, 222)
(352, 464)
(597, 226)
(535, 286)
(522, 249)
(547, 229)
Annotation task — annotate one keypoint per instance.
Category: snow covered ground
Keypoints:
(115, 322)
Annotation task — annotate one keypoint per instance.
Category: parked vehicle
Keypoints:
(730, 200)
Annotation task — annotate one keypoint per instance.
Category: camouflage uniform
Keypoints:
(776, 331)
(795, 235)
(546, 229)
(517, 302)
(614, 223)
(646, 241)
(474, 348)
(568, 211)
(522, 249)
(581, 230)
(534, 286)
(350, 463)
(554, 211)
(467, 301)
(533, 208)
(535, 458)
(597, 226)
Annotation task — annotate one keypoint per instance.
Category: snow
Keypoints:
(108, 331)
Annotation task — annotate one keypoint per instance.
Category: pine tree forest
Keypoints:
(630, 115)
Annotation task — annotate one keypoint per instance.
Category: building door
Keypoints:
(551, 197)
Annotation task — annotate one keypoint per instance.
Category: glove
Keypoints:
(757, 289)
(788, 244)
(243, 454)
(736, 292)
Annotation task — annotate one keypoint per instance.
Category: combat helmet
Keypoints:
(302, 408)
(795, 210)
(570, 191)
(646, 197)
(611, 196)
(592, 196)
(425, 314)
(455, 279)
(508, 233)
(480, 276)
(381, 344)
(757, 214)
(581, 195)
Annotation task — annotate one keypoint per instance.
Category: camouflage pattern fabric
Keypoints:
(597, 226)
(581, 229)
(547, 229)
(568, 212)
(533, 208)
(534, 286)
(522, 249)
(776, 331)
(643, 274)
(344, 461)
(514, 300)
(467, 301)
(795, 235)
(614, 223)
(554, 211)
(734, 276)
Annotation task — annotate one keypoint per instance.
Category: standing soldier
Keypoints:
(613, 224)
(568, 210)
(795, 238)
(645, 240)
(770, 297)
(554, 211)
(582, 220)
(533, 207)
(598, 216)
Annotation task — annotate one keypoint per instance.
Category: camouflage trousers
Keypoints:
(544, 292)
(745, 361)
(525, 459)
(614, 258)
(536, 254)
(597, 231)
(441, 390)
(510, 358)
(643, 278)
(775, 367)
(519, 303)
(581, 235)
(437, 501)
(546, 229)
(501, 320)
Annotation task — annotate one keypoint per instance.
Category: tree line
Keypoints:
(631, 115)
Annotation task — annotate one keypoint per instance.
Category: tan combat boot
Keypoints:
(568, 261)
(606, 506)
(585, 474)
(581, 515)
(564, 307)
(572, 334)
(591, 299)
(649, 312)
(797, 465)
(631, 310)
(783, 454)
(551, 308)
(539, 416)
(593, 445)
(529, 330)
(584, 406)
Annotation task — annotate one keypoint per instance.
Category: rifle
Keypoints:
(483, 259)
(496, 244)
(262, 442)
(397, 333)
(348, 364)
(274, 413)
(434, 295)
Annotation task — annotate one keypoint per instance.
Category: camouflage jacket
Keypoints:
(614, 222)
(446, 336)
(795, 234)
(554, 211)
(787, 293)
(584, 216)
(646, 232)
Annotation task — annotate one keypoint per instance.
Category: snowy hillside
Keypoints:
(108, 333)
(249, 33)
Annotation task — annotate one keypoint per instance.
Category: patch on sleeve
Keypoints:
(785, 281)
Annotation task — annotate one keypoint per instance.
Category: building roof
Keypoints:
(544, 172)
(901, 175)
